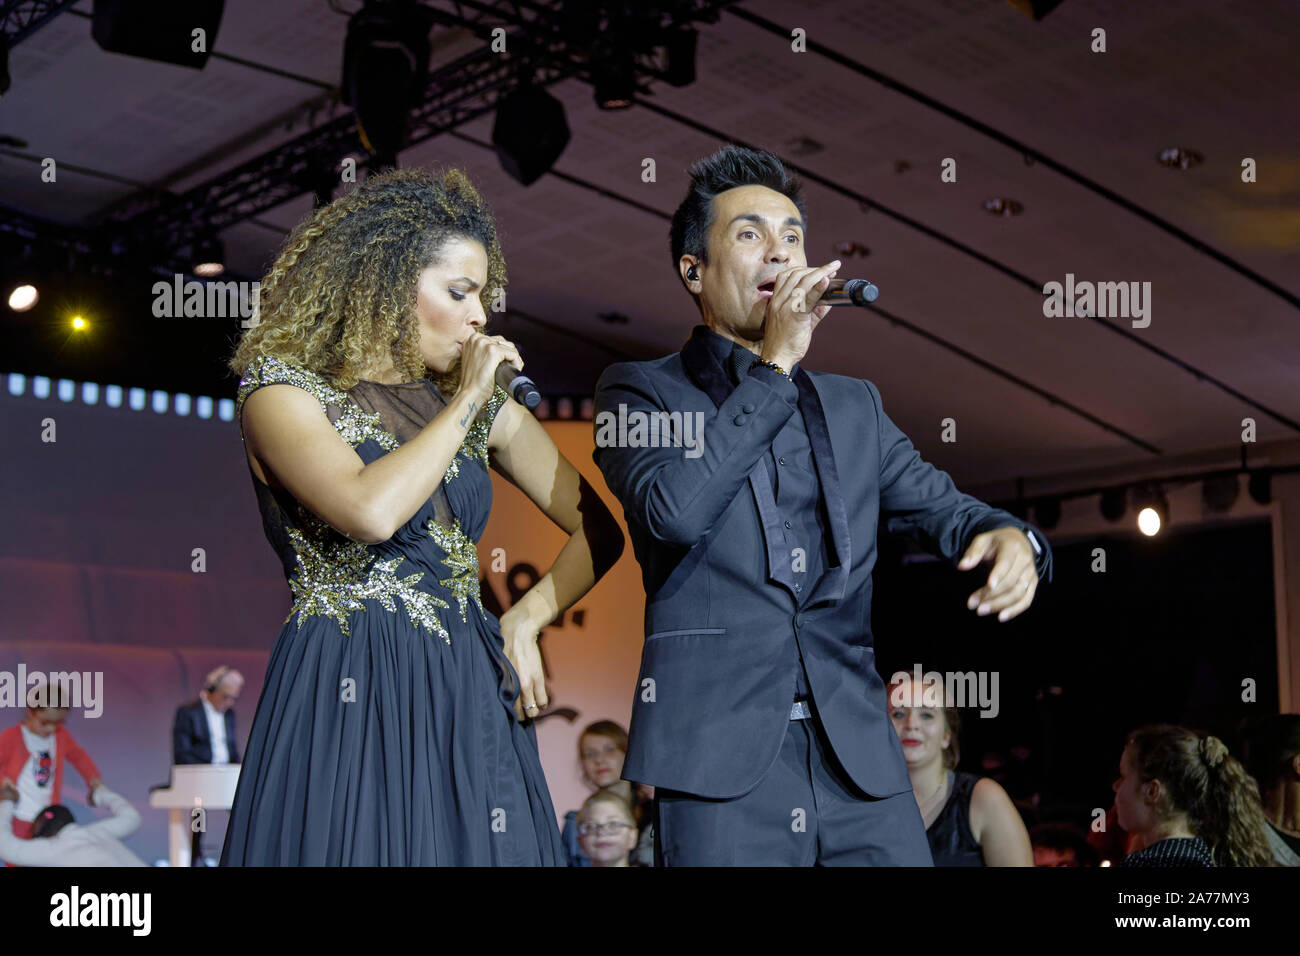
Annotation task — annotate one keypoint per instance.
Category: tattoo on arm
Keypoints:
(464, 421)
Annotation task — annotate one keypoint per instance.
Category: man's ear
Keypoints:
(689, 269)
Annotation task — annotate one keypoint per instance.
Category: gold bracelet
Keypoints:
(775, 366)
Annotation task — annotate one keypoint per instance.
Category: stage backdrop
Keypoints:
(132, 547)
(593, 655)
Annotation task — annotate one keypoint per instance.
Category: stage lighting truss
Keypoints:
(540, 34)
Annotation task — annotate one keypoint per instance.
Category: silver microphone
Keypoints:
(518, 385)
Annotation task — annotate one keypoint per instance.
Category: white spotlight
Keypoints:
(23, 297)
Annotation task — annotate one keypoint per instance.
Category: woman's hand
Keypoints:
(520, 636)
(479, 358)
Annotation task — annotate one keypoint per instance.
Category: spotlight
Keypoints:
(78, 323)
(159, 30)
(209, 258)
(614, 77)
(1149, 522)
(1113, 504)
(1153, 509)
(1260, 487)
(679, 44)
(23, 297)
(530, 133)
(1220, 494)
(1048, 512)
(385, 67)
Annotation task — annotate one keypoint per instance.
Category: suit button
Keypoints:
(747, 408)
(787, 524)
(739, 419)
(780, 461)
(797, 620)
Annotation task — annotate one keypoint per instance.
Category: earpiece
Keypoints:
(692, 274)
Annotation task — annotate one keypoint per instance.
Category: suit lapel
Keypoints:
(709, 375)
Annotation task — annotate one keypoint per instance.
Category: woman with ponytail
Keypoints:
(1188, 801)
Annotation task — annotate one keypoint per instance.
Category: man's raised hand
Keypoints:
(1012, 582)
(788, 322)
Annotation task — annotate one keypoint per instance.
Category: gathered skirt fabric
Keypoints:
(390, 747)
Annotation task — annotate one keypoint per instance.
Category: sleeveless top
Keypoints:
(951, 841)
(331, 575)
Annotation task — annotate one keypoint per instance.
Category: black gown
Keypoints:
(385, 733)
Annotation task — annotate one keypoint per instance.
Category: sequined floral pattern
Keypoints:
(462, 559)
(353, 424)
(474, 447)
(333, 576)
(336, 577)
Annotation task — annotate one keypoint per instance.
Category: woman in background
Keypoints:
(1189, 802)
(601, 749)
(969, 820)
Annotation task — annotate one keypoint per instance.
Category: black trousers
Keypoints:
(805, 811)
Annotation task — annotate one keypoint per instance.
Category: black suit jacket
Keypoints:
(712, 703)
(191, 742)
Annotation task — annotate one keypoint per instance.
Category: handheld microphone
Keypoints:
(849, 292)
(518, 385)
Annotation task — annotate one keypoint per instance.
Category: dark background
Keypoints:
(1165, 635)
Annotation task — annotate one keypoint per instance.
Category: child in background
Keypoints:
(607, 829)
(33, 755)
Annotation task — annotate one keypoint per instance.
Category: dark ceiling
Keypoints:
(885, 92)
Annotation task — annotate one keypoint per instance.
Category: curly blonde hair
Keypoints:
(343, 287)
(1205, 782)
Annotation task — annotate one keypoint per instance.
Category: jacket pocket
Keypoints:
(686, 630)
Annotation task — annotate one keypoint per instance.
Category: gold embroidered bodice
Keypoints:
(431, 560)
